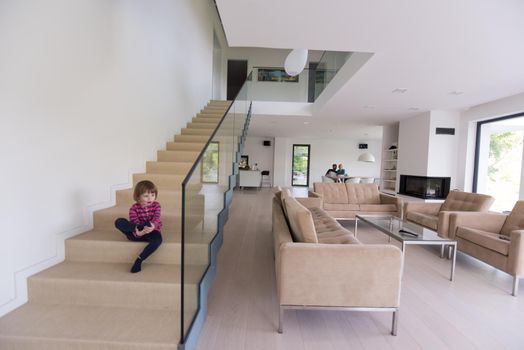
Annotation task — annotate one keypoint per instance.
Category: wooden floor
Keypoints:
(474, 312)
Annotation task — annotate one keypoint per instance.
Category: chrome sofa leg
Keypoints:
(394, 323)
(280, 319)
(442, 248)
(515, 286)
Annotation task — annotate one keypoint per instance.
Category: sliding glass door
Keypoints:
(300, 175)
(498, 162)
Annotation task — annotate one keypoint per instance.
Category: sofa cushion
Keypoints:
(334, 193)
(465, 201)
(300, 220)
(363, 193)
(430, 221)
(378, 208)
(341, 236)
(341, 207)
(485, 239)
(515, 220)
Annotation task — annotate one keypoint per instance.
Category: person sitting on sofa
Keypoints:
(332, 172)
(341, 173)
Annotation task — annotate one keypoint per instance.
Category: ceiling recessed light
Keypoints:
(399, 90)
(369, 106)
(456, 92)
(413, 109)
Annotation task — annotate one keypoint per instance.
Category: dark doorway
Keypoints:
(236, 75)
(300, 166)
(311, 81)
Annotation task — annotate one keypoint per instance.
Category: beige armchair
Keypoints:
(436, 215)
(496, 239)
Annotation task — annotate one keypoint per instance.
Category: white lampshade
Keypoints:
(295, 62)
(366, 157)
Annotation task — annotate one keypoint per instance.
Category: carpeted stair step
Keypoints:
(157, 286)
(193, 125)
(215, 115)
(177, 156)
(202, 132)
(162, 181)
(169, 199)
(104, 219)
(113, 247)
(185, 146)
(192, 138)
(174, 168)
(66, 327)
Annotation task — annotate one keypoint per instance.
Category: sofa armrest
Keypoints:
(312, 194)
(421, 207)
(388, 199)
(356, 275)
(310, 202)
(490, 222)
(516, 253)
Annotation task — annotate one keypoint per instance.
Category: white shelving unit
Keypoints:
(389, 171)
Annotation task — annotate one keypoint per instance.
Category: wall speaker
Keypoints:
(362, 146)
(445, 131)
(267, 143)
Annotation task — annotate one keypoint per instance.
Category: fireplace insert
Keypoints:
(424, 186)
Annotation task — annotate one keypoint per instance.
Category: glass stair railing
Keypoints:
(207, 192)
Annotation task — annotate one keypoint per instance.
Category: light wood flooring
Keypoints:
(476, 311)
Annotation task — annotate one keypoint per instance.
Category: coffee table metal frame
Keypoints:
(395, 224)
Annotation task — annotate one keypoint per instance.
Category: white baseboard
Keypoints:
(20, 277)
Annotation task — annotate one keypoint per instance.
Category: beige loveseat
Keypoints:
(436, 215)
(319, 264)
(345, 200)
(496, 239)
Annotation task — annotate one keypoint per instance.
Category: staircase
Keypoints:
(91, 300)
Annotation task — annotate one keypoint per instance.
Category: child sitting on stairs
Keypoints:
(144, 223)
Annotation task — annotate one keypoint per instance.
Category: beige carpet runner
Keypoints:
(91, 300)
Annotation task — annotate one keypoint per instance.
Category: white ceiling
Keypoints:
(429, 47)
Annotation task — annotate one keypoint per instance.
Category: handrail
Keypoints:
(183, 209)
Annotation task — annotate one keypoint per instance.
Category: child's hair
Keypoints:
(144, 187)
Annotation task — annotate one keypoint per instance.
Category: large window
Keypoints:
(210, 164)
(498, 160)
(300, 176)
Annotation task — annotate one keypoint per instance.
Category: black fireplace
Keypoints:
(424, 186)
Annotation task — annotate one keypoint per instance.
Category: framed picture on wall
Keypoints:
(244, 162)
(275, 75)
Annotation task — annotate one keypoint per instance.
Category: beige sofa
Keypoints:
(436, 216)
(496, 239)
(345, 200)
(321, 265)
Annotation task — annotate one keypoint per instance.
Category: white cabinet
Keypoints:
(249, 178)
(389, 171)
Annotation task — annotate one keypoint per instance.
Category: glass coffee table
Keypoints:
(408, 233)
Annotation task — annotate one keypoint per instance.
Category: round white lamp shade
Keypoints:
(366, 157)
(295, 62)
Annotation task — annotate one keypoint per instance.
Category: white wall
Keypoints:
(468, 128)
(325, 152)
(260, 154)
(90, 90)
(413, 145)
(424, 153)
(442, 149)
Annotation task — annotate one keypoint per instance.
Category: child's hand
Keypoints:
(147, 230)
(139, 233)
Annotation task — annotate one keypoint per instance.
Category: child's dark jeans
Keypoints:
(154, 238)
